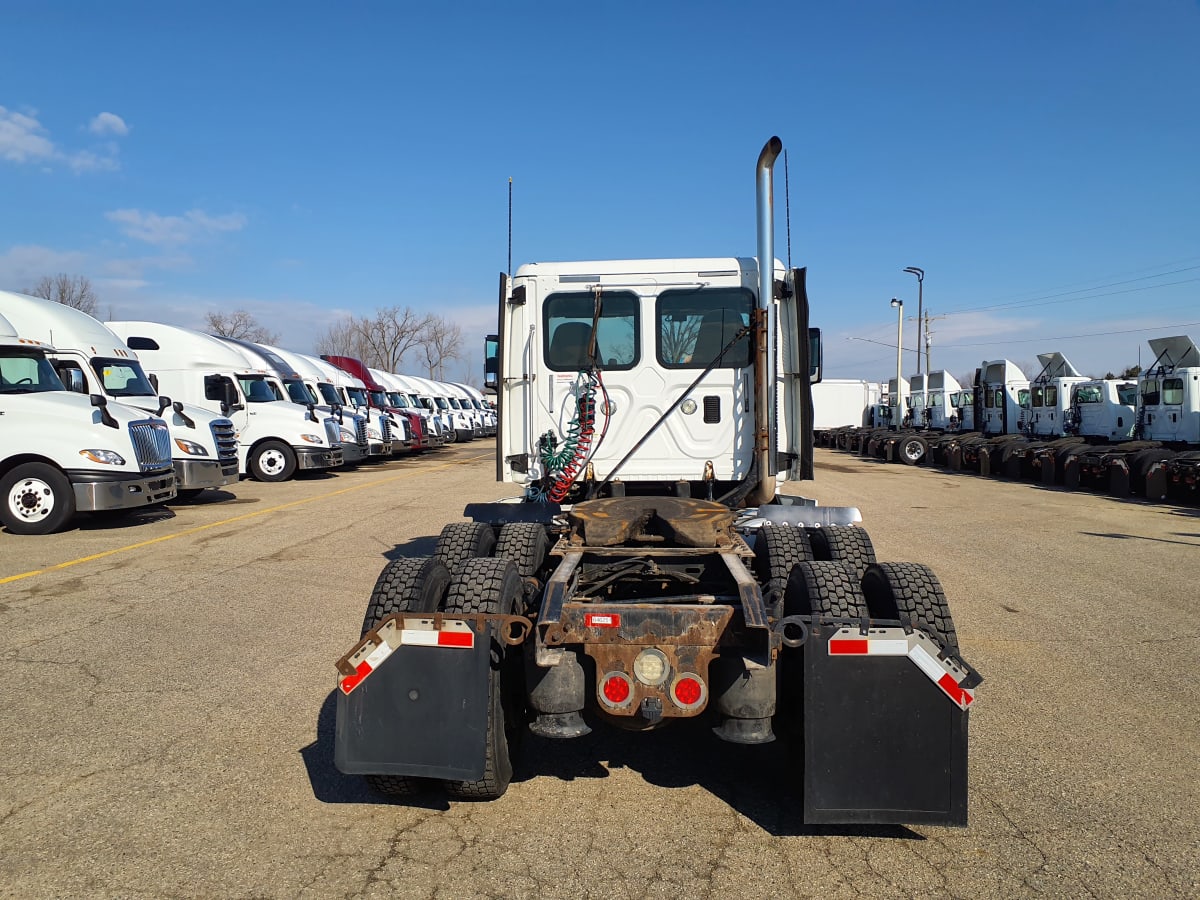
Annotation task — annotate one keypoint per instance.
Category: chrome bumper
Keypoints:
(352, 453)
(310, 458)
(378, 448)
(197, 474)
(96, 492)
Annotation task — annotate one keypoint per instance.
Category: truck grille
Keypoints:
(332, 433)
(360, 431)
(385, 425)
(225, 438)
(152, 444)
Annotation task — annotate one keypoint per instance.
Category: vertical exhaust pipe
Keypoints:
(764, 368)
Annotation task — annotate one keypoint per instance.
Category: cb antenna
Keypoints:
(510, 226)
(787, 207)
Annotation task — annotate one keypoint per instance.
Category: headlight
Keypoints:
(190, 447)
(347, 434)
(312, 438)
(375, 434)
(107, 457)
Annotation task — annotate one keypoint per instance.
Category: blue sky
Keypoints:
(305, 159)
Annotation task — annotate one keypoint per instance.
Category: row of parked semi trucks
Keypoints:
(85, 428)
(1128, 436)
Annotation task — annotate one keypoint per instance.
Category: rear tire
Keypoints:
(405, 585)
(825, 588)
(527, 545)
(847, 544)
(493, 586)
(460, 541)
(911, 590)
(777, 551)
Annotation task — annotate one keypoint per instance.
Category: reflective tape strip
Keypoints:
(365, 668)
(420, 637)
(851, 643)
(452, 634)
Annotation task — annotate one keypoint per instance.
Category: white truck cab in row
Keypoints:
(275, 437)
(61, 453)
(91, 359)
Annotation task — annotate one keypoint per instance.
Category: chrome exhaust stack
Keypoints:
(764, 368)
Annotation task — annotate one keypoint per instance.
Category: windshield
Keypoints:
(297, 391)
(26, 373)
(441, 403)
(122, 378)
(378, 399)
(257, 389)
(395, 398)
(329, 392)
(357, 396)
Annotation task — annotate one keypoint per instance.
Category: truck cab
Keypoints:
(276, 439)
(1001, 384)
(941, 386)
(91, 359)
(1048, 401)
(62, 453)
(1170, 393)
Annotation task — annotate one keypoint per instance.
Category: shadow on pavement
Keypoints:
(760, 782)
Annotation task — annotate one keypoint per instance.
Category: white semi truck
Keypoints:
(656, 416)
(276, 439)
(91, 359)
(61, 453)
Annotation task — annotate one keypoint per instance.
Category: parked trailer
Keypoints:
(652, 571)
(841, 405)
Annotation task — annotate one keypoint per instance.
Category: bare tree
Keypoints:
(441, 341)
(391, 333)
(240, 325)
(344, 337)
(69, 290)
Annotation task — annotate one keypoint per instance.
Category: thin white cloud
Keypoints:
(21, 266)
(160, 230)
(23, 139)
(108, 123)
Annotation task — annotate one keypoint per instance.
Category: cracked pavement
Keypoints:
(167, 713)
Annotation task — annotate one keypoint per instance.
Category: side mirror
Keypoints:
(75, 382)
(230, 398)
(153, 381)
(814, 355)
(101, 402)
(163, 403)
(491, 361)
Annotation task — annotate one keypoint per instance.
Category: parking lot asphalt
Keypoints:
(166, 712)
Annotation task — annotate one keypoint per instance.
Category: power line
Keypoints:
(1048, 299)
(1066, 337)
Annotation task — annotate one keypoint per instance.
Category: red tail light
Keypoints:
(616, 689)
(688, 691)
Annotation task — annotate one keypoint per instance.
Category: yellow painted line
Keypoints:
(242, 517)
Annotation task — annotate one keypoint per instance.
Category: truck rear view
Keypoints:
(651, 570)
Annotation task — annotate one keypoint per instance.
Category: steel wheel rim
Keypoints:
(31, 499)
(272, 462)
(913, 450)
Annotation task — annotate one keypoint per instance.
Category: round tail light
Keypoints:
(688, 691)
(616, 690)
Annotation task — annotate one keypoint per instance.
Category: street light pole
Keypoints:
(897, 401)
(920, 273)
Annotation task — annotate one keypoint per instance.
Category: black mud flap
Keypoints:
(421, 711)
(883, 742)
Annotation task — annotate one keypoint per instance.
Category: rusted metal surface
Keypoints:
(754, 611)
(668, 521)
(688, 635)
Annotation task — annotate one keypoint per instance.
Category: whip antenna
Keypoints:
(510, 226)
(787, 207)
